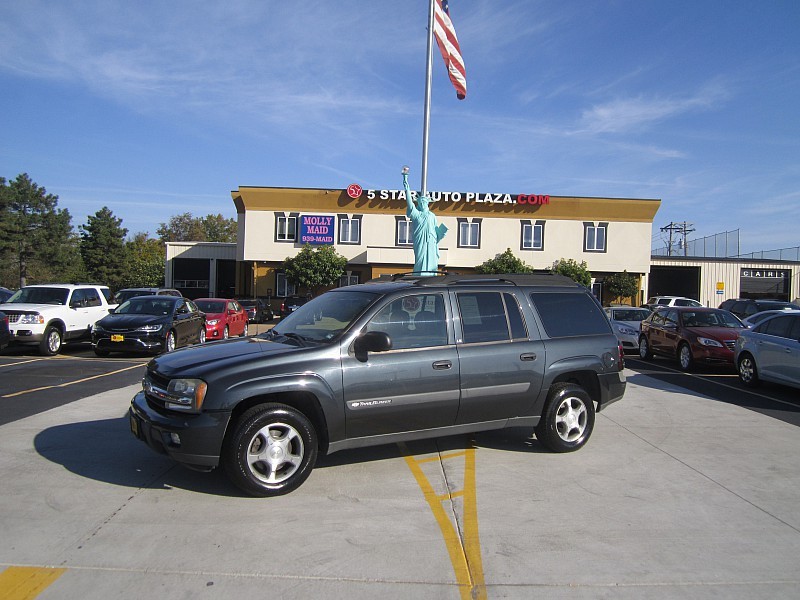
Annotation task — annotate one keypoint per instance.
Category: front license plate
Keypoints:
(134, 426)
(117, 338)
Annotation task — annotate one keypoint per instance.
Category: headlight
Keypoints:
(181, 394)
(709, 342)
(212, 322)
(34, 319)
(97, 327)
(150, 328)
(625, 330)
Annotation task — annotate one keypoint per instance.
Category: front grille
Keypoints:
(730, 344)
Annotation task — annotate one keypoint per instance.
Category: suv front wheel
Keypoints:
(51, 341)
(271, 451)
(568, 418)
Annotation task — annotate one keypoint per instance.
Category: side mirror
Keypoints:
(372, 341)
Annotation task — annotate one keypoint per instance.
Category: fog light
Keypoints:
(175, 439)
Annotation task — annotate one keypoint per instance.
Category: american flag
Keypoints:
(448, 45)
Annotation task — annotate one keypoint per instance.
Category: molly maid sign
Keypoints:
(316, 229)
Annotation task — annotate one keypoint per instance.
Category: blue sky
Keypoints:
(158, 108)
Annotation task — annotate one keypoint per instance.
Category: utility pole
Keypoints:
(681, 229)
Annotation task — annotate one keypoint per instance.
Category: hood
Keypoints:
(115, 322)
(217, 354)
(718, 333)
(25, 307)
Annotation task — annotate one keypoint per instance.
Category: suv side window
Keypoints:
(483, 317)
(92, 297)
(567, 315)
(415, 321)
(78, 299)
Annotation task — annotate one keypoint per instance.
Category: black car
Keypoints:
(5, 336)
(291, 304)
(258, 311)
(150, 324)
(746, 307)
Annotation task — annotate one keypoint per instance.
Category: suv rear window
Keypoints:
(568, 315)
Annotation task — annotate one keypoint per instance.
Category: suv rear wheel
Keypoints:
(568, 418)
(272, 450)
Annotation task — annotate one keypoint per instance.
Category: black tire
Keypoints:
(685, 358)
(101, 353)
(51, 341)
(748, 372)
(568, 418)
(169, 343)
(271, 451)
(645, 352)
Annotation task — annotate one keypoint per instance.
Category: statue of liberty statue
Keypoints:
(426, 234)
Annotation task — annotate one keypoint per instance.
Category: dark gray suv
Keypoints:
(386, 362)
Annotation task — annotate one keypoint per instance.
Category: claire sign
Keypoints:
(316, 229)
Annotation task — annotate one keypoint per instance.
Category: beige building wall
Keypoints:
(628, 239)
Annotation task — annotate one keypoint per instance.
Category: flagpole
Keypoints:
(427, 113)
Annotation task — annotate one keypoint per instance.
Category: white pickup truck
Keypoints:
(53, 314)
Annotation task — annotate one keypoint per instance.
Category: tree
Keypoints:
(573, 270)
(187, 228)
(145, 260)
(36, 237)
(622, 285)
(219, 229)
(103, 248)
(504, 263)
(314, 268)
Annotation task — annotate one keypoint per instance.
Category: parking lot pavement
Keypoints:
(676, 495)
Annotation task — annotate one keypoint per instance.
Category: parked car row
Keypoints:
(145, 320)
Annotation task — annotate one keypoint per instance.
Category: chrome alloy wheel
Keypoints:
(275, 453)
(571, 419)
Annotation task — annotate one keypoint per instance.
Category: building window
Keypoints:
(285, 227)
(594, 237)
(284, 288)
(404, 232)
(532, 236)
(350, 229)
(469, 233)
(348, 279)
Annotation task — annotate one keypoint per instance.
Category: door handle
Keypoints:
(442, 365)
(528, 356)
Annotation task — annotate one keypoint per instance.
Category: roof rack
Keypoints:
(511, 279)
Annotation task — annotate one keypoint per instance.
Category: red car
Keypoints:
(691, 335)
(225, 317)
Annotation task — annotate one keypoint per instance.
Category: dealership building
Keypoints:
(370, 229)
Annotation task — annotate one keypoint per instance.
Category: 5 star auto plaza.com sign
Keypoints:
(319, 229)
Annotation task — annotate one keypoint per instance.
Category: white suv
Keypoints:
(669, 301)
(53, 314)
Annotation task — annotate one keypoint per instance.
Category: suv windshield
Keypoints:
(324, 318)
(40, 295)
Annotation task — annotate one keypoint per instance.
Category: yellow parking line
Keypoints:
(25, 583)
(21, 362)
(465, 554)
(68, 383)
